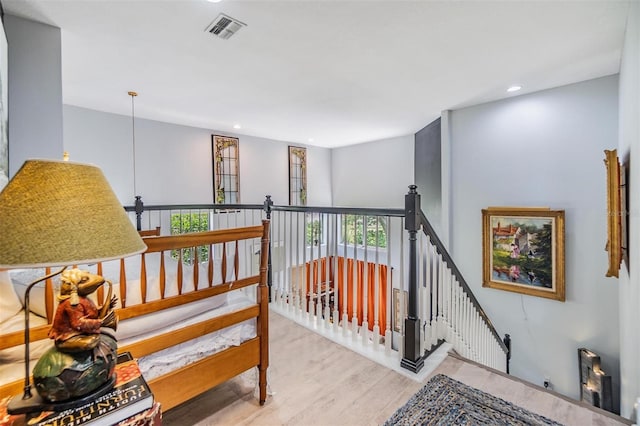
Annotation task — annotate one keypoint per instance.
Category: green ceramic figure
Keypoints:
(85, 352)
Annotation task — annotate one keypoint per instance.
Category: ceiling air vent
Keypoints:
(224, 26)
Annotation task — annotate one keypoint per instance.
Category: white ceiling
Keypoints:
(339, 72)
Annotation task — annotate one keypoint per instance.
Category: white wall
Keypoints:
(628, 151)
(542, 149)
(173, 163)
(374, 174)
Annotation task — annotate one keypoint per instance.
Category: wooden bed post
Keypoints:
(263, 319)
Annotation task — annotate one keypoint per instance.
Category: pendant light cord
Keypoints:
(133, 137)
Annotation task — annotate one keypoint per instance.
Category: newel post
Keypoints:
(507, 343)
(267, 208)
(139, 205)
(412, 358)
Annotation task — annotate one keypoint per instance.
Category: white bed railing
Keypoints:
(377, 280)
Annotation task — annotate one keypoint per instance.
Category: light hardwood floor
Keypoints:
(314, 381)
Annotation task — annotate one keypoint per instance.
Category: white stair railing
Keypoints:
(329, 276)
(449, 310)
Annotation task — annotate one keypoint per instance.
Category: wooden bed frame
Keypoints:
(184, 383)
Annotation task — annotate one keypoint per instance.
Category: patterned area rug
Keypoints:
(444, 401)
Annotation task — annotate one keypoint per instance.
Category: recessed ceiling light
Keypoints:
(237, 126)
(310, 140)
(214, 1)
(514, 88)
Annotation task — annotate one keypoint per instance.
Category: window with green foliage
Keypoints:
(314, 234)
(184, 223)
(353, 230)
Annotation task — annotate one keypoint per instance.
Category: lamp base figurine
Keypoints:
(81, 365)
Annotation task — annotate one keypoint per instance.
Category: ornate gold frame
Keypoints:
(536, 271)
(614, 213)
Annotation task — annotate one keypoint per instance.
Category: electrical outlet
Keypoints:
(547, 383)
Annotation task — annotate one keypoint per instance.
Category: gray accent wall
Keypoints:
(543, 149)
(35, 91)
(428, 172)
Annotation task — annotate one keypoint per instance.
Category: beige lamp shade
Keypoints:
(59, 213)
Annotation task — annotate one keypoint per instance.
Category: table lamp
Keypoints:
(57, 214)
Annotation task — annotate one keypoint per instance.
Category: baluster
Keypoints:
(422, 292)
(308, 276)
(278, 285)
(354, 284)
(364, 328)
(435, 287)
(295, 237)
(461, 317)
(426, 248)
(387, 331)
(474, 332)
(314, 284)
(318, 273)
(345, 281)
(461, 301)
(460, 312)
(454, 311)
(295, 262)
(465, 325)
(327, 264)
(288, 265)
(447, 305)
(485, 341)
(433, 278)
(477, 334)
(336, 295)
(470, 335)
(376, 289)
(481, 341)
(445, 287)
(452, 303)
(441, 330)
(401, 284)
(281, 250)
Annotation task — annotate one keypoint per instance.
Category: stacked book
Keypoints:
(129, 403)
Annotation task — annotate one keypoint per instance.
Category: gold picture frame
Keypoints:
(615, 212)
(523, 251)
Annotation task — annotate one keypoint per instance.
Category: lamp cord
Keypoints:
(27, 382)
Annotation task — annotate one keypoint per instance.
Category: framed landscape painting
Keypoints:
(523, 251)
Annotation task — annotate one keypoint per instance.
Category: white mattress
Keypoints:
(169, 359)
